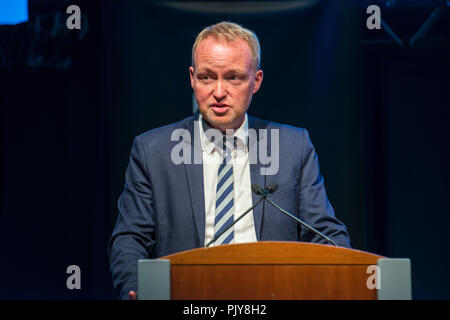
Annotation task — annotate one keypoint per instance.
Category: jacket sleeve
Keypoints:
(133, 236)
(315, 208)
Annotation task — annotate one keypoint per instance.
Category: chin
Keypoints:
(218, 123)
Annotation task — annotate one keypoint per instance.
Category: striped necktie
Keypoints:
(224, 197)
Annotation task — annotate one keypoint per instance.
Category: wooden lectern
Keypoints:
(264, 271)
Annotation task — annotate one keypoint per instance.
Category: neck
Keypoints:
(224, 129)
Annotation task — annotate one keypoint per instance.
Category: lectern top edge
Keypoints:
(274, 252)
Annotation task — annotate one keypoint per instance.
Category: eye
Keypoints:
(204, 78)
(235, 78)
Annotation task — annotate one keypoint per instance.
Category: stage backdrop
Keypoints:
(72, 101)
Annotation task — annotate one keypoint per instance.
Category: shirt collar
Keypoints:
(241, 134)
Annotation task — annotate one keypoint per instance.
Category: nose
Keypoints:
(220, 91)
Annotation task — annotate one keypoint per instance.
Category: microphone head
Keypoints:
(272, 187)
(257, 189)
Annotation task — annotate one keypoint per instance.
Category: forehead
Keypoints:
(212, 52)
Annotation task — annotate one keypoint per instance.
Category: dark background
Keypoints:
(71, 102)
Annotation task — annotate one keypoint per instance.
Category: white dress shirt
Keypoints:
(244, 230)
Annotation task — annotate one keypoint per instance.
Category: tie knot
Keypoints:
(229, 142)
(228, 146)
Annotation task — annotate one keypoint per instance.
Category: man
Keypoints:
(169, 205)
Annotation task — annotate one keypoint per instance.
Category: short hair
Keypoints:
(231, 31)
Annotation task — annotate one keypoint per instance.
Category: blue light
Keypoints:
(13, 11)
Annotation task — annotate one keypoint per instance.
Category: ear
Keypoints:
(191, 76)
(258, 80)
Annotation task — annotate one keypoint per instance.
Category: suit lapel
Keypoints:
(256, 178)
(194, 174)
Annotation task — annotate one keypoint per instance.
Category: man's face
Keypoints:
(224, 81)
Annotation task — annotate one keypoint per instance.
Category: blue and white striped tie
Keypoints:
(224, 197)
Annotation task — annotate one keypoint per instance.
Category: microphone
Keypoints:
(271, 189)
(256, 189)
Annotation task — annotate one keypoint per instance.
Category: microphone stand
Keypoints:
(299, 221)
(235, 221)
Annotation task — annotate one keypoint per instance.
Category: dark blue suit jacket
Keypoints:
(162, 207)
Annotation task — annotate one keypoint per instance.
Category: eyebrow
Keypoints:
(235, 71)
(204, 70)
(208, 70)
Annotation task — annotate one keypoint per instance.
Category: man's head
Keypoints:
(225, 73)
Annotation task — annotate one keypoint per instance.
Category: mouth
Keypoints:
(220, 108)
